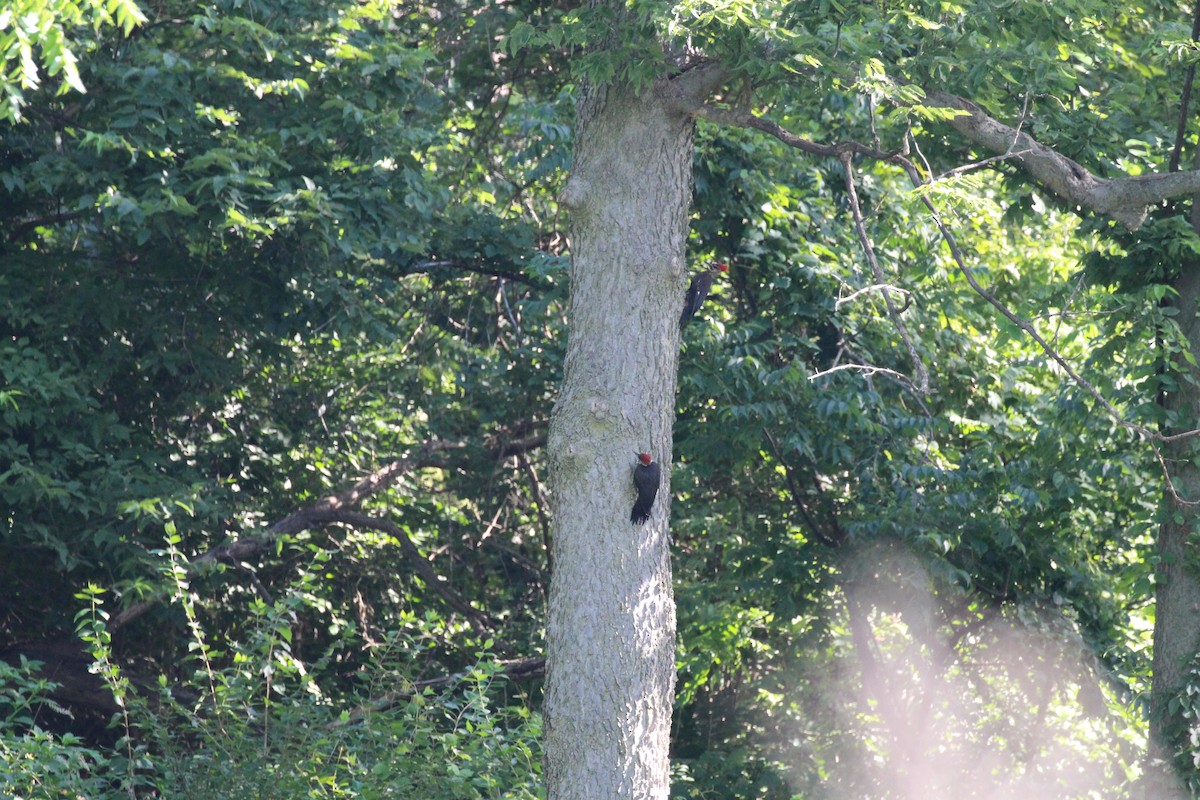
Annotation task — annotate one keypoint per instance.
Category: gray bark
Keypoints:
(610, 635)
(1177, 575)
(1123, 199)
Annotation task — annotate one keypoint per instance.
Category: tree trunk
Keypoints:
(610, 636)
(1177, 575)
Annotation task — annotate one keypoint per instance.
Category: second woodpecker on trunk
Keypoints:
(646, 478)
(698, 290)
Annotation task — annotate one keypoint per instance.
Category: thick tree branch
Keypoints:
(19, 229)
(517, 447)
(1123, 199)
(372, 484)
(694, 85)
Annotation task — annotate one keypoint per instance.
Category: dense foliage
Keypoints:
(277, 247)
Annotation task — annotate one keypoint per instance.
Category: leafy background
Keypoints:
(277, 246)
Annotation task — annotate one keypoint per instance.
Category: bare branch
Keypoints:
(874, 287)
(1171, 490)
(1125, 200)
(372, 484)
(834, 539)
(470, 266)
(539, 502)
(19, 229)
(517, 447)
(1011, 152)
(861, 368)
(479, 620)
(508, 309)
(844, 151)
(1024, 325)
(1185, 98)
(864, 239)
(1151, 436)
(322, 512)
(519, 669)
(744, 118)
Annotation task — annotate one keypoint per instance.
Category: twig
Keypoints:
(319, 513)
(539, 504)
(520, 669)
(863, 368)
(818, 534)
(479, 620)
(1011, 152)
(874, 287)
(974, 165)
(741, 118)
(922, 384)
(508, 310)
(1147, 434)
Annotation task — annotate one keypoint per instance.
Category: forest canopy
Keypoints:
(285, 299)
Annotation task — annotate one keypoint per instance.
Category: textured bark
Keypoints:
(611, 627)
(1125, 200)
(1177, 576)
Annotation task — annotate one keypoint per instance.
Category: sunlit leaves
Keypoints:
(274, 250)
(35, 35)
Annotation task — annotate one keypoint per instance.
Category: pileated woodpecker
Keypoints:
(698, 290)
(646, 477)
